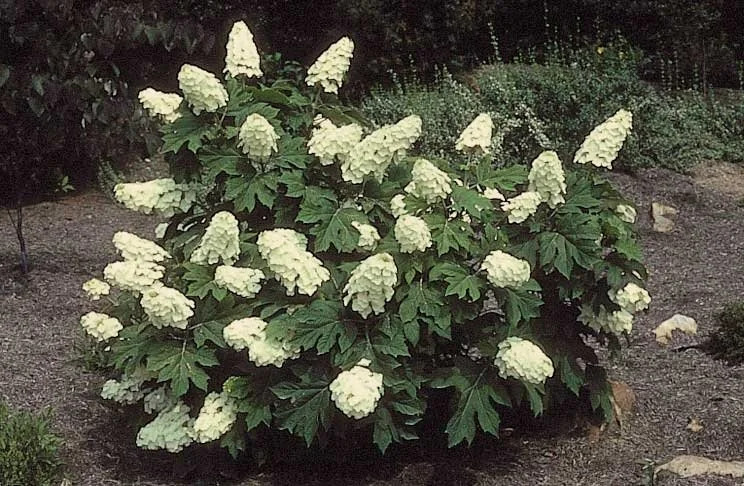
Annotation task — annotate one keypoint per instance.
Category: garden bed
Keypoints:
(694, 270)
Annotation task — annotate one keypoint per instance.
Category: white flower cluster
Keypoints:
(158, 400)
(377, 150)
(523, 360)
(132, 275)
(626, 213)
(371, 284)
(221, 240)
(548, 179)
(329, 142)
(164, 105)
(492, 193)
(477, 136)
(412, 234)
(172, 430)
(162, 195)
(216, 417)
(331, 66)
(100, 326)
(505, 270)
(521, 207)
(616, 322)
(601, 146)
(95, 288)
(127, 390)
(202, 90)
(167, 307)
(257, 136)
(285, 252)
(132, 247)
(368, 235)
(250, 333)
(242, 55)
(357, 391)
(428, 182)
(245, 282)
(631, 298)
(398, 205)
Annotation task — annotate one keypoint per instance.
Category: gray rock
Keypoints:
(663, 217)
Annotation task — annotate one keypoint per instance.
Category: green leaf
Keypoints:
(571, 373)
(554, 253)
(219, 161)
(294, 181)
(319, 326)
(449, 235)
(421, 300)
(535, 396)
(244, 193)
(210, 331)
(521, 305)
(629, 249)
(201, 282)
(188, 130)
(270, 95)
(307, 408)
(469, 200)
(506, 179)
(461, 282)
(179, 364)
(334, 223)
(133, 344)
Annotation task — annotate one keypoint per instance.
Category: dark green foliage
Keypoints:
(727, 342)
(28, 449)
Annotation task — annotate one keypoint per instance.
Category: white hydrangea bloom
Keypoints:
(172, 430)
(250, 333)
(164, 105)
(548, 179)
(329, 142)
(371, 284)
(521, 207)
(242, 56)
(631, 298)
(158, 400)
(477, 136)
(523, 360)
(257, 136)
(428, 182)
(626, 213)
(216, 417)
(132, 247)
(491, 193)
(296, 268)
(601, 146)
(331, 66)
(221, 240)
(357, 391)
(131, 275)
(505, 270)
(101, 326)
(202, 90)
(412, 234)
(95, 288)
(375, 152)
(127, 390)
(617, 322)
(398, 205)
(160, 230)
(162, 195)
(368, 235)
(245, 282)
(167, 307)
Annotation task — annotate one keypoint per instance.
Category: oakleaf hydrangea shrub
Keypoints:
(319, 275)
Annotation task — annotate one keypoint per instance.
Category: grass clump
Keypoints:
(727, 342)
(29, 450)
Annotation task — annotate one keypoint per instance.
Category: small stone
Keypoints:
(677, 322)
(663, 217)
(689, 466)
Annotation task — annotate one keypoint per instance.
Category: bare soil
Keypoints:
(695, 270)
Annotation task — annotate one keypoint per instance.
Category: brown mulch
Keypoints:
(695, 270)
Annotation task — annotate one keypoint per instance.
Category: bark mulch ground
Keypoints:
(695, 270)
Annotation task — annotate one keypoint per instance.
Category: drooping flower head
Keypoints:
(601, 146)
(245, 282)
(257, 137)
(132, 275)
(357, 391)
(523, 360)
(506, 271)
(172, 430)
(163, 105)
(616, 322)
(284, 250)
(412, 233)
(95, 288)
(250, 333)
(166, 306)
(631, 298)
(548, 179)
(329, 142)
(368, 235)
(162, 195)
(476, 138)
(371, 284)
(202, 90)
(331, 66)
(398, 205)
(428, 182)
(132, 247)
(221, 240)
(492, 193)
(216, 417)
(242, 56)
(521, 207)
(101, 326)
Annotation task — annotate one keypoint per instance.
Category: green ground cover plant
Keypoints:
(316, 278)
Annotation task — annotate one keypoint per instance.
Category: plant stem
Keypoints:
(18, 227)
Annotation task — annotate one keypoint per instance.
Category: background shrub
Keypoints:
(727, 342)
(28, 449)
